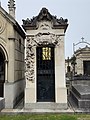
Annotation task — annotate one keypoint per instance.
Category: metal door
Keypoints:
(86, 66)
(45, 74)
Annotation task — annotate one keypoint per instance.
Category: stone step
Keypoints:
(82, 91)
(46, 105)
(81, 103)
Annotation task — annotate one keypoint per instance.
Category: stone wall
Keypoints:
(12, 44)
(19, 59)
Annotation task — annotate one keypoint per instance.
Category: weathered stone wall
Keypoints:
(14, 59)
(19, 58)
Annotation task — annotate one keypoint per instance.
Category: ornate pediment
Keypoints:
(44, 15)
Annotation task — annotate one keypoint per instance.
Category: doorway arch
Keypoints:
(3, 69)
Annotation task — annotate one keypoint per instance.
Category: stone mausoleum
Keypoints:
(45, 62)
(12, 37)
(80, 91)
(79, 63)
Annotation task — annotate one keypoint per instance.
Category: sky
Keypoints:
(76, 11)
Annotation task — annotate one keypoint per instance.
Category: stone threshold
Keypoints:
(37, 111)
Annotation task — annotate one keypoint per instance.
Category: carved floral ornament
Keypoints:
(38, 40)
(30, 60)
(45, 39)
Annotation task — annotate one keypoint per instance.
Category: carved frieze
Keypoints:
(47, 39)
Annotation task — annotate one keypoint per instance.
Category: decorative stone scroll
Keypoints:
(40, 39)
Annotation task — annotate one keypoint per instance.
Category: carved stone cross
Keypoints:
(82, 39)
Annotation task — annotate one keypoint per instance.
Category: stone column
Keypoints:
(11, 62)
(60, 83)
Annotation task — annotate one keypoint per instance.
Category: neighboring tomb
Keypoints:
(80, 82)
(12, 81)
(78, 66)
(83, 61)
(45, 62)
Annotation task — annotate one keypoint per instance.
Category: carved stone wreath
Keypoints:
(32, 42)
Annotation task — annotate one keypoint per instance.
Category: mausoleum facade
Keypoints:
(45, 61)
